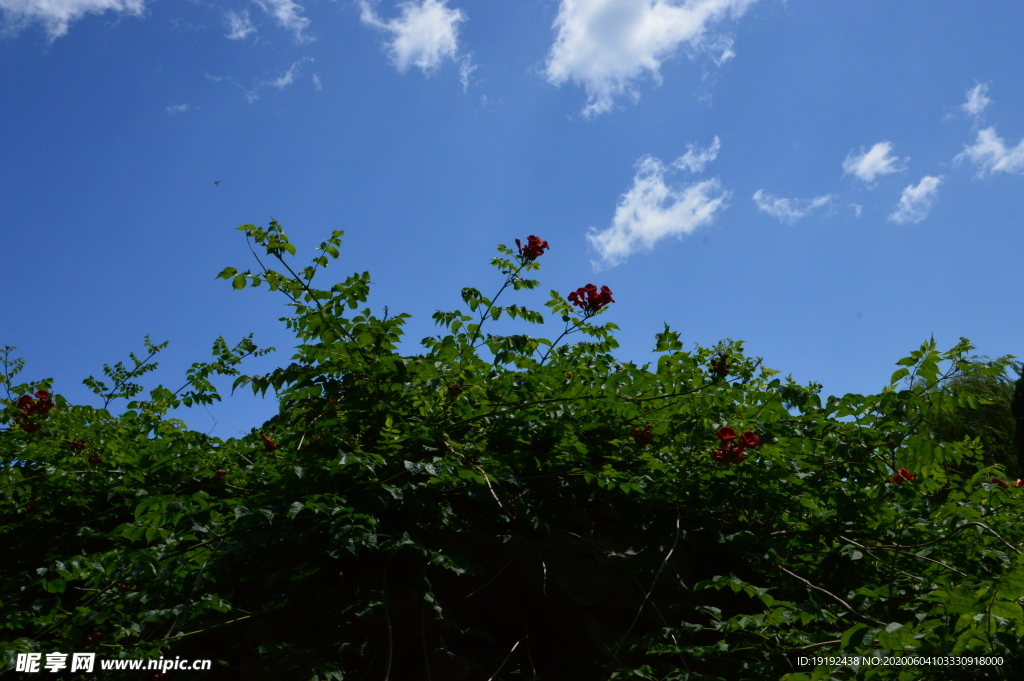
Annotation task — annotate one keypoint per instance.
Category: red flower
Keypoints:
(902, 475)
(643, 436)
(720, 367)
(95, 459)
(725, 434)
(31, 508)
(590, 299)
(31, 407)
(76, 445)
(749, 440)
(268, 444)
(94, 636)
(1001, 483)
(1019, 483)
(219, 474)
(454, 390)
(534, 248)
(731, 452)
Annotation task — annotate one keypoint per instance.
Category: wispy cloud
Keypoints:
(695, 159)
(977, 100)
(57, 15)
(607, 46)
(316, 82)
(280, 82)
(423, 35)
(239, 25)
(990, 154)
(917, 200)
(789, 210)
(177, 109)
(287, 14)
(876, 161)
(653, 209)
(286, 78)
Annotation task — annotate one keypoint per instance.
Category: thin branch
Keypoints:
(947, 538)
(831, 595)
(191, 595)
(222, 624)
(905, 553)
(506, 659)
(391, 645)
(475, 592)
(820, 644)
(615, 655)
(423, 637)
(139, 367)
(489, 486)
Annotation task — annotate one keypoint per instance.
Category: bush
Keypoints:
(509, 507)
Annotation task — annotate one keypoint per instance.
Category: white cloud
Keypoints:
(857, 208)
(239, 25)
(607, 45)
(424, 35)
(695, 159)
(285, 79)
(652, 210)
(280, 82)
(990, 154)
(917, 201)
(976, 99)
(57, 15)
(287, 14)
(874, 162)
(788, 210)
(177, 109)
(316, 82)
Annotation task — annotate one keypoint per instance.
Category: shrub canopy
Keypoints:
(508, 507)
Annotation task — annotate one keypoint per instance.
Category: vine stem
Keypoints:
(664, 562)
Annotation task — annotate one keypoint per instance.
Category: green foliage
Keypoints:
(977, 405)
(508, 507)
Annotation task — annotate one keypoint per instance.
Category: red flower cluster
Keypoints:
(534, 248)
(454, 390)
(31, 508)
(33, 407)
(733, 446)
(95, 459)
(720, 367)
(94, 637)
(901, 476)
(268, 444)
(590, 299)
(643, 436)
(219, 474)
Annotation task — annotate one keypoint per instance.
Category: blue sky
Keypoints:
(832, 183)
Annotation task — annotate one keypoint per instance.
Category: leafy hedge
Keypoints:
(507, 507)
